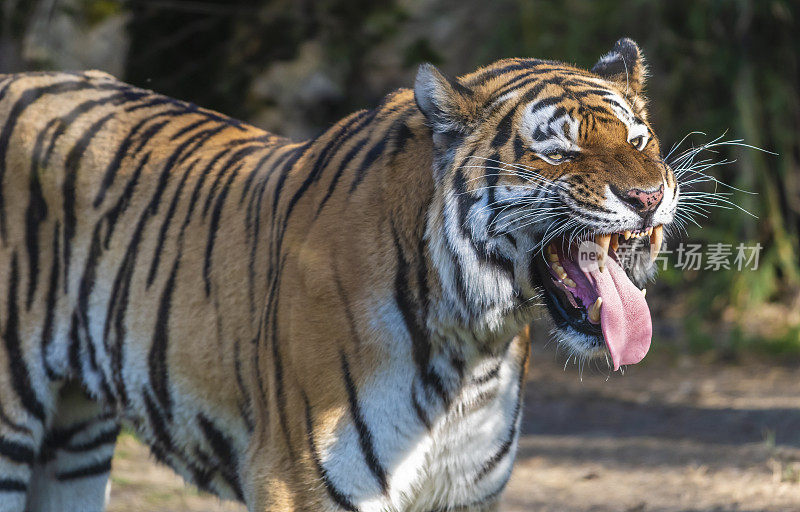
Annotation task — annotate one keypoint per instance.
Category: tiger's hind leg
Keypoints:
(17, 455)
(71, 472)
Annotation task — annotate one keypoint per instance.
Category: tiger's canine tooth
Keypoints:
(615, 241)
(569, 282)
(594, 310)
(603, 241)
(559, 270)
(627, 234)
(644, 292)
(655, 241)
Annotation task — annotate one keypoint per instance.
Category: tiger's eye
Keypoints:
(555, 156)
(637, 142)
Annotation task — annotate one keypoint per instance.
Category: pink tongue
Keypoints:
(624, 315)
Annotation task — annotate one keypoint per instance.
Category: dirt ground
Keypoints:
(664, 437)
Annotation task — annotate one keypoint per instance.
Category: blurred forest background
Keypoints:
(296, 66)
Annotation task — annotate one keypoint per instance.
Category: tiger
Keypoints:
(337, 324)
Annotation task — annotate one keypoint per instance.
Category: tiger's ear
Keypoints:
(625, 66)
(448, 105)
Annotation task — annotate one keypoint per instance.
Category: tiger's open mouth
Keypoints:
(588, 291)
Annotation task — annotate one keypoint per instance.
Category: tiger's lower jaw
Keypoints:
(595, 306)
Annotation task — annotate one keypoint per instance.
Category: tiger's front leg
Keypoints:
(72, 469)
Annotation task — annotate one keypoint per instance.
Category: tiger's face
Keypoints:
(557, 177)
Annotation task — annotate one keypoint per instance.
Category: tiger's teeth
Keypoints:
(559, 270)
(656, 238)
(552, 257)
(644, 292)
(551, 249)
(627, 234)
(615, 241)
(569, 282)
(594, 310)
(603, 241)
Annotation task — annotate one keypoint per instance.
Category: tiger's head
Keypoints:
(550, 174)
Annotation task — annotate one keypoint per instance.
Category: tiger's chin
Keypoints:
(594, 297)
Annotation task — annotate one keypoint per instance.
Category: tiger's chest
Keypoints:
(412, 453)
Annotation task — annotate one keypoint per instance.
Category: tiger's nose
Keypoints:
(642, 201)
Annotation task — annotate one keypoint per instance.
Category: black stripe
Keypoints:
(104, 438)
(466, 200)
(546, 102)
(99, 468)
(421, 347)
(516, 65)
(490, 375)
(195, 197)
(364, 435)
(202, 474)
(163, 441)
(216, 216)
(402, 135)
(252, 174)
(517, 82)
(348, 313)
(229, 164)
(36, 213)
(50, 302)
(158, 357)
(519, 147)
(74, 351)
(216, 213)
(162, 232)
(58, 437)
(68, 189)
(245, 407)
(85, 287)
(372, 155)
(280, 392)
(9, 485)
(283, 173)
(189, 127)
(342, 166)
(336, 495)
(504, 129)
(421, 414)
(20, 378)
(223, 450)
(16, 452)
(533, 92)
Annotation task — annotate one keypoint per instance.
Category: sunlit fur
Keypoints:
(324, 325)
